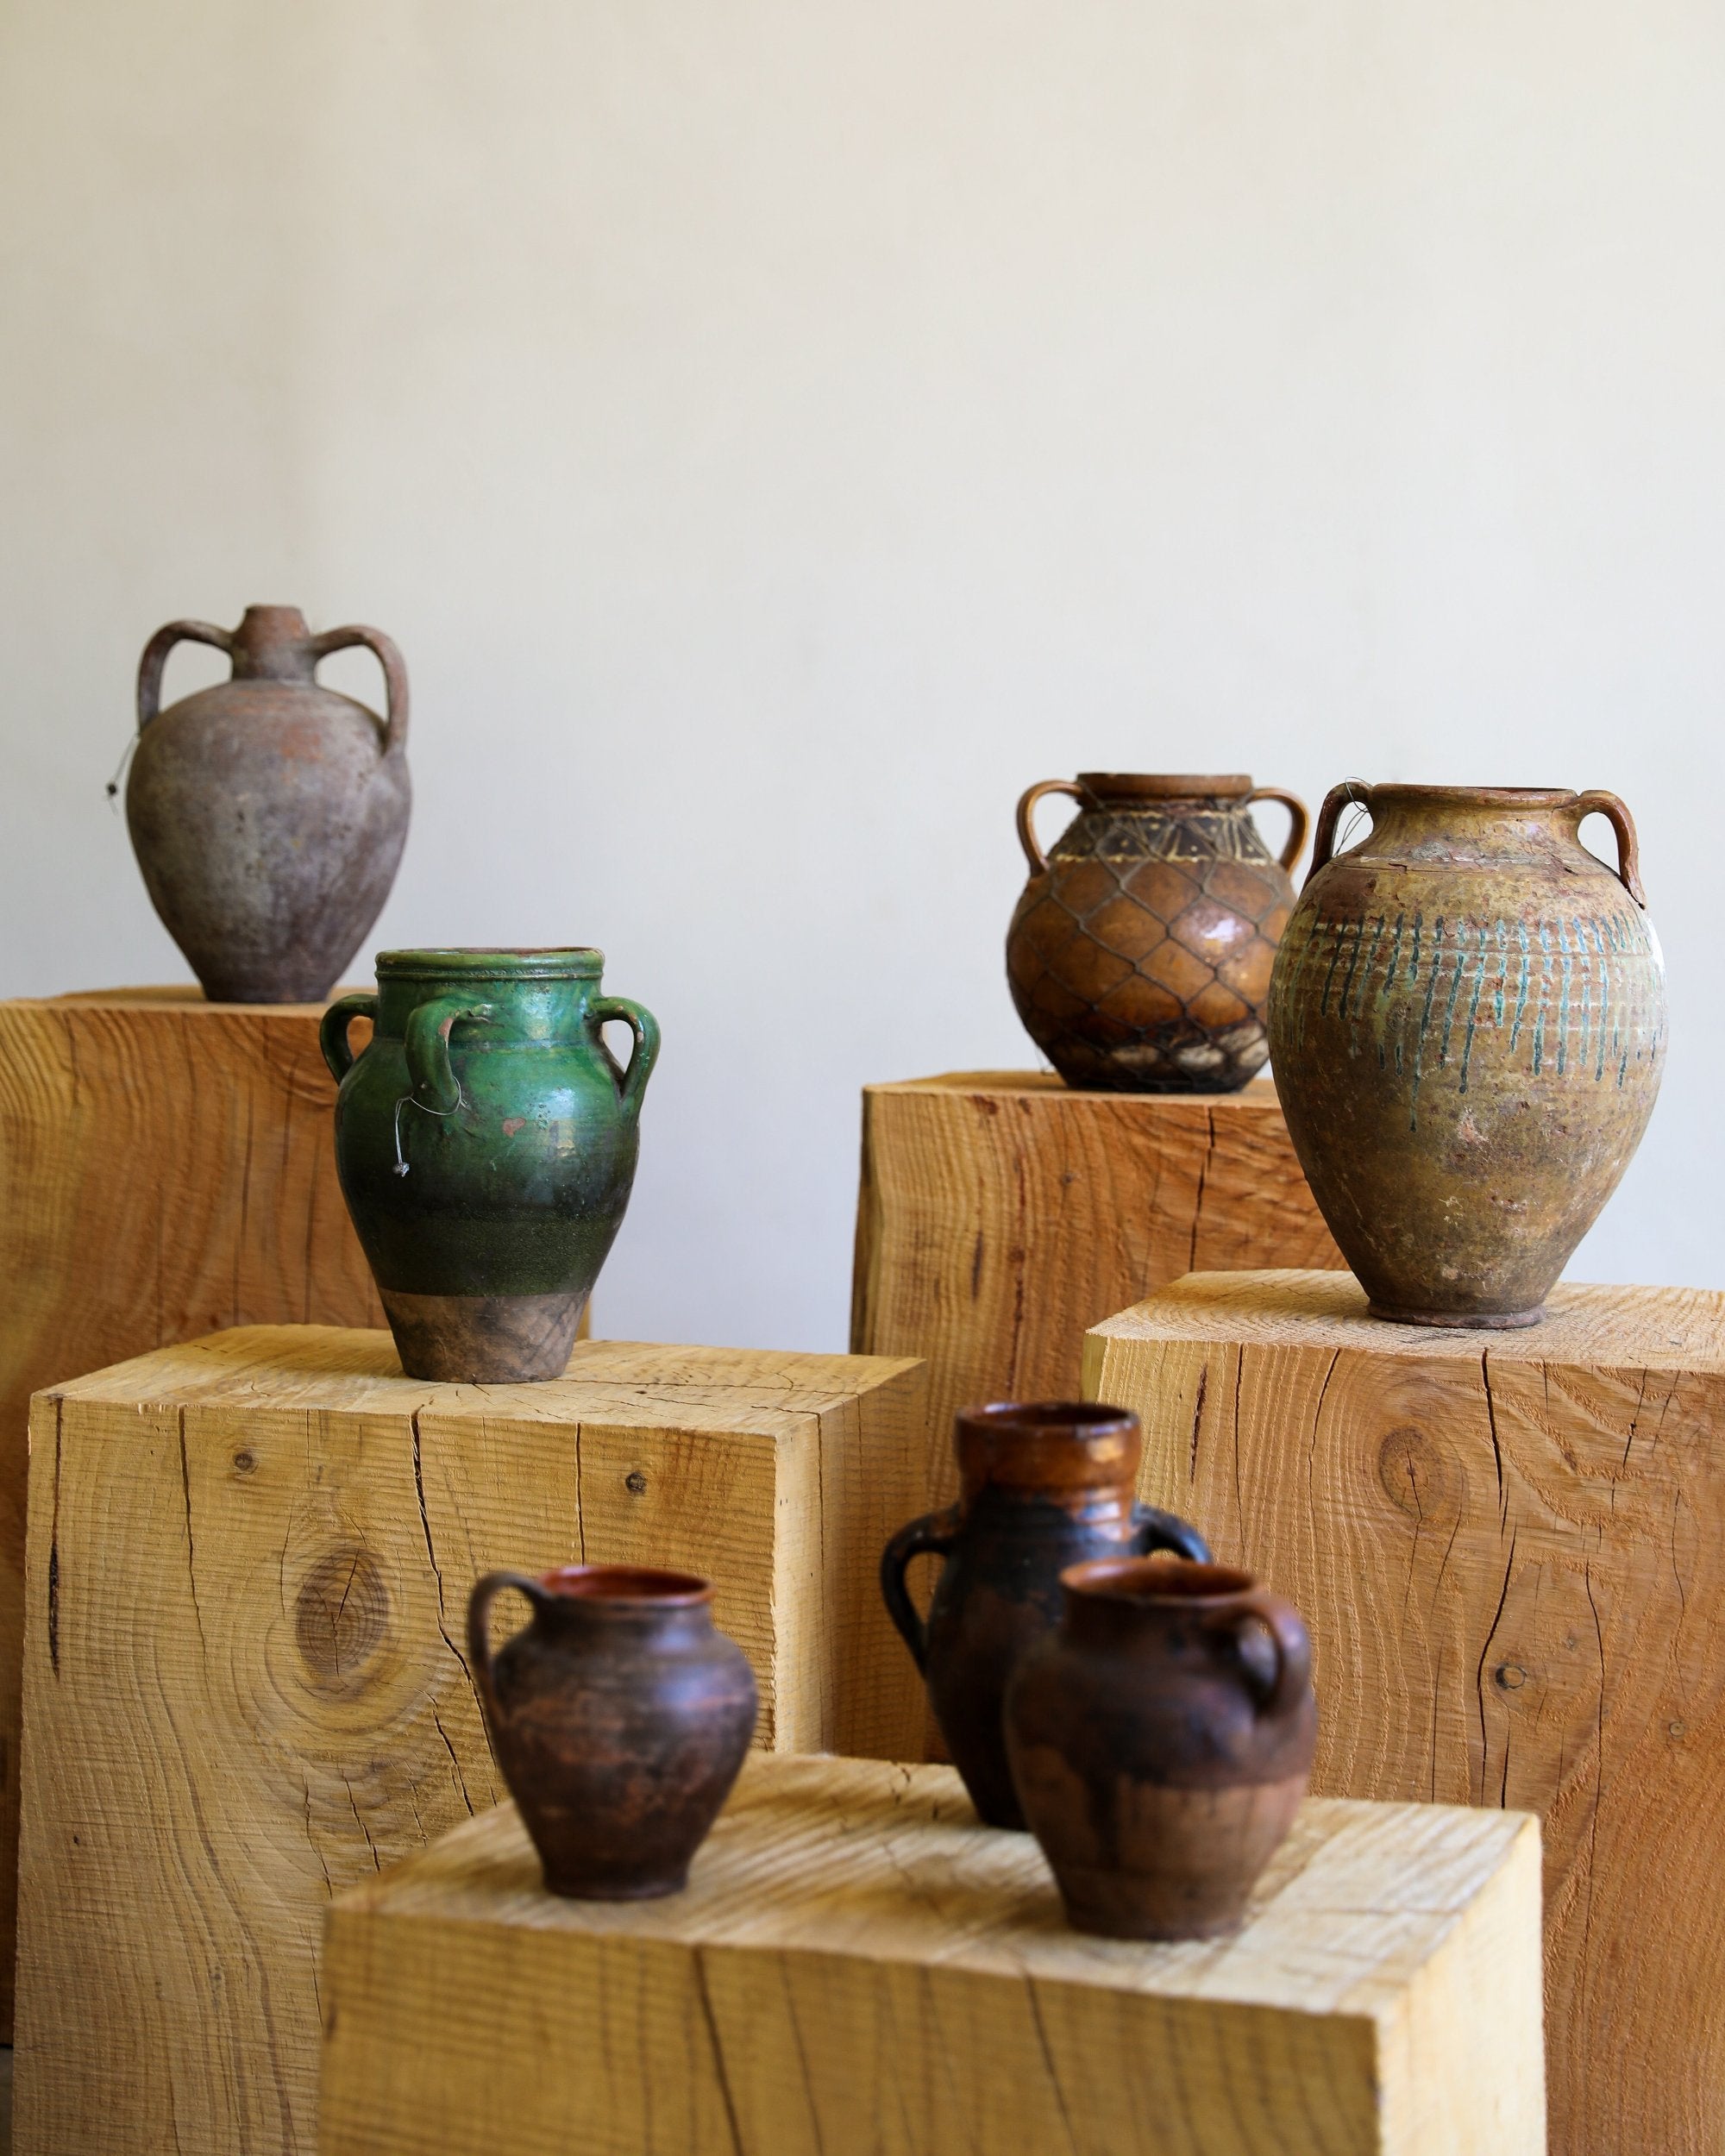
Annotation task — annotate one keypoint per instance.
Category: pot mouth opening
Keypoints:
(1043, 1417)
(1510, 797)
(1165, 786)
(1159, 1579)
(573, 961)
(639, 1585)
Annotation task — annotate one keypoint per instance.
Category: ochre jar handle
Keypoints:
(631, 1083)
(932, 1535)
(1598, 803)
(1324, 838)
(1033, 853)
(332, 1032)
(394, 674)
(1298, 820)
(1289, 1636)
(155, 658)
(479, 1638)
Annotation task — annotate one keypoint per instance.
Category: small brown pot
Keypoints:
(1140, 953)
(1161, 1741)
(1042, 1486)
(620, 1718)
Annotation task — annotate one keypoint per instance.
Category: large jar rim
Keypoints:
(573, 963)
(1165, 786)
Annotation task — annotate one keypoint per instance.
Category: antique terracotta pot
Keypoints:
(619, 1717)
(269, 815)
(1042, 1486)
(1468, 1031)
(485, 1143)
(1140, 953)
(1161, 1740)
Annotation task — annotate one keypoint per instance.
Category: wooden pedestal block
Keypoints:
(1507, 1546)
(1001, 1213)
(166, 1167)
(857, 1966)
(245, 1682)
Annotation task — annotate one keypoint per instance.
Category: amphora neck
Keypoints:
(1076, 1454)
(272, 643)
(1465, 823)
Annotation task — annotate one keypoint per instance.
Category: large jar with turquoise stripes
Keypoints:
(1467, 1029)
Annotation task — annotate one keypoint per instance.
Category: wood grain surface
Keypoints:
(245, 1680)
(859, 1968)
(166, 1167)
(1507, 1547)
(1001, 1214)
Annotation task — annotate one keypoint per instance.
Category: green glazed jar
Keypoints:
(485, 1140)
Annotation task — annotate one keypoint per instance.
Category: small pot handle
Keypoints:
(1033, 853)
(1154, 1530)
(1288, 1635)
(1628, 847)
(931, 1535)
(332, 1032)
(631, 1083)
(155, 658)
(394, 675)
(1298, 820)
(1324, 838)
(479, 1642)
(426, 1040)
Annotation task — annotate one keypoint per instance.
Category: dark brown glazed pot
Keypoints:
(1468, 1029)
(1161, 1740)
(269, 815)
(620, 1718)
(1041, 1487)
(1140, 953)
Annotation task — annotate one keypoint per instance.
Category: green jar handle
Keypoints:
(426, 1040)
(332, 1032)
(631, 1083)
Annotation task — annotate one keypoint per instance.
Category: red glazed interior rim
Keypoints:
(627, 1583)
(1164, 786)
(1041, 1418)
(1160, 1579)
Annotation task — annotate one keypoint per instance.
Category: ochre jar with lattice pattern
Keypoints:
(1140, 954)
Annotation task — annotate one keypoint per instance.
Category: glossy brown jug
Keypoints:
(1468, 1027)
(1161, 1741)
(1140, 953)
(269, 815)
(620, 1718)
(1041, 1486)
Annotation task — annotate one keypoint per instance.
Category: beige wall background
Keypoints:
(777, 433)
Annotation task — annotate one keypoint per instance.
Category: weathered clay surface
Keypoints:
(1468, 1031)
(1140, 953)
(269, 815)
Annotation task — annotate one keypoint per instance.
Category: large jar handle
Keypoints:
(332, 1032)
(479, 1639)
(1033, 853)
(1288, 1635)
(631, 1083)
(394, 674)
(426, 1040)
(155, 658)
(1599, 803)
(931, 1535)
(1324, 838)
(1298, 820)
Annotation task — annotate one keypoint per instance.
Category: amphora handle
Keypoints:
(394, 666)
(1153, 1530)
(479, 1638)
(933, 1535)
(1349, 793)
(1033, 853)
(631, 1083)
(155, 658)
(332, 1030)
(1288, 1635)
(1598, 803)
(1298, 820)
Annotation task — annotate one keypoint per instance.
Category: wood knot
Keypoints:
(244, 1461)
(341, 1612)
(1511, 1676)
(635, 1483)
(1421, 1476)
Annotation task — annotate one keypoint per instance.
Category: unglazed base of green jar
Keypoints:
(483, 1339)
